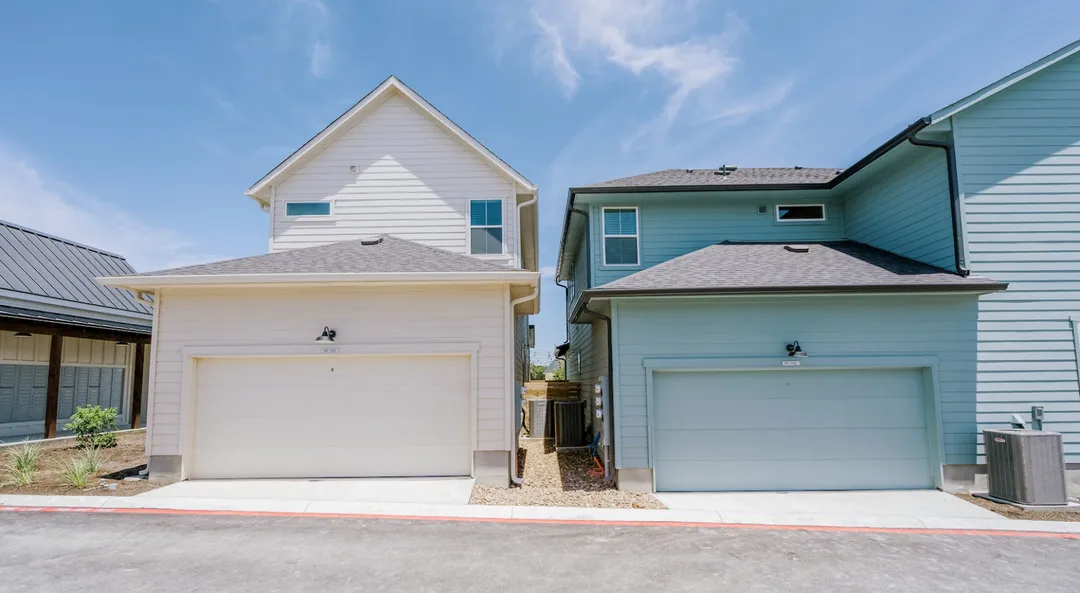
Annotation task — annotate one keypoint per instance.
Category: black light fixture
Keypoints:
(794, 349)
(123, 343)
(22, 335)
(327, 336)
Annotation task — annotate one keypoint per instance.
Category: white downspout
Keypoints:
(512, 417)
(518, 259)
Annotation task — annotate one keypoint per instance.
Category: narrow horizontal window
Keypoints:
(485, 227)
(800, 212)
(307, 208)
(620, 227)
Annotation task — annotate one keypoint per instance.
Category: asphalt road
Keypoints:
(159, 553)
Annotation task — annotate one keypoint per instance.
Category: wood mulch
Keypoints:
(1012, 512)
(563, 479)
(128, 454)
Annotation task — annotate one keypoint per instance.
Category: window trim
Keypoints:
(604, 236)
(470, 226)
(777, 219)
(309, 216)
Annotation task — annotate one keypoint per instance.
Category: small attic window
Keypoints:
(307, 208)
(800, 213)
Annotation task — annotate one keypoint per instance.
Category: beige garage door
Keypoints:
(315, 417)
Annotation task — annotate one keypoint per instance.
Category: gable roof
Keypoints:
(713, 177)
(35, 264)
(381, 259)
(830, 267)
(1004, 83)
(260, 190)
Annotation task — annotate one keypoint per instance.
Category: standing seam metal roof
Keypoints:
(39, 264)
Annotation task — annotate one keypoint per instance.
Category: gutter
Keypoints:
(517, 229)
(149, 283)
(954, 197)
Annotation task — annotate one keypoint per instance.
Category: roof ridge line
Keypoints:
(60, 239)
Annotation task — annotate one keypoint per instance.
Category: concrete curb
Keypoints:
(613, 517)
(60, 439)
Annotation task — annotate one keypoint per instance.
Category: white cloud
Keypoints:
(652, 40)
(320, 58)
(547, 272)
(309, 21)
(29, 198)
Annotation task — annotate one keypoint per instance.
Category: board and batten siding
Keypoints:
(1018, 157)
(294, 316)
(679, 223)
(833, 326)
(902, 205)
(412, 180)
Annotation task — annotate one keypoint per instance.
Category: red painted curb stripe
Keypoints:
(597, 522)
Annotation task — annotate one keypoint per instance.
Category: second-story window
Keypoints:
(485, 227)
(307, 208)
(620, 236)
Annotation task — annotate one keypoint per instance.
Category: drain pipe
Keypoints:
(513, 417)
(517, 230)
(609, 405)
(954, 198)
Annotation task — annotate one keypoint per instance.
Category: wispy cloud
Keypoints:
(652, 40)
(309, 21)
(217, 98)
(547, 272)
(36, 200)
(321, 54)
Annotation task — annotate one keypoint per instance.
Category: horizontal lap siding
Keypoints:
(413, 180)
(282, 316)
(834, 326)
(904, 208)
(1018, 154)
(671, 226)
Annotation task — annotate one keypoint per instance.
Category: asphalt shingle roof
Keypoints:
(740, 176)
(382, 254)
(38, 264)
(738, 267)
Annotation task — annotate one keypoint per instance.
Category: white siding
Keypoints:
(1018, 156)
(295, 316)
(413, 180)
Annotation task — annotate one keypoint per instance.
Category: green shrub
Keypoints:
(77, 473)
(94, 426)
(22, 463)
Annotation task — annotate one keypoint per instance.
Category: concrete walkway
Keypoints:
(462, 512)
(447, 491)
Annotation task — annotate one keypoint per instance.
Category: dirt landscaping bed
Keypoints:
(128, 454)
(566, 479)
(1012, 512)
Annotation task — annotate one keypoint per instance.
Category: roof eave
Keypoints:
(965, 287)
(150, 283)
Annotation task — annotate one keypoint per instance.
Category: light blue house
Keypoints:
(799, 329)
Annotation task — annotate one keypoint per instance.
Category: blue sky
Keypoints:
(136, 126)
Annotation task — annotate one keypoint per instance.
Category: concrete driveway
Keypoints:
(909, 507)
(377, 490)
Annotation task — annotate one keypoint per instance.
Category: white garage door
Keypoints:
(314, 417)
(791, 430)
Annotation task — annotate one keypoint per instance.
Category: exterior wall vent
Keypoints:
(1026, 466)
(798, 248)
(371, 241)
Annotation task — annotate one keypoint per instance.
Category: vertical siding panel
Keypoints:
(1018, 155)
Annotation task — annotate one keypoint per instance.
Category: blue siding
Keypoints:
(901, 204)
(676, 224)
(937, 326)
(1018, 156)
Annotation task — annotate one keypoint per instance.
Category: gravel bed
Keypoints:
(565, 479)
(1012, 512)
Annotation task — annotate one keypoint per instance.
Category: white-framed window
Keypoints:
(300, 209)
(800, 212)
(486, 227)
(621, 238)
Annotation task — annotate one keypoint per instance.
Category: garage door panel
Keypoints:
(718, 412)
(781, 475)
(332, 417)
(867, 443)
(790, 430)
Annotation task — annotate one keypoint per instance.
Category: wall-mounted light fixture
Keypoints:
(327, 336)
(123, 343)
(794, 349)
(22, 335)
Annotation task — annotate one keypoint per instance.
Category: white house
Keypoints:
(385, 334)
